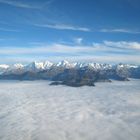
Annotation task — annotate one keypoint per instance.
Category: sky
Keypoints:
(105, 31)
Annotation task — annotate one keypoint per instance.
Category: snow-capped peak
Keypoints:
(47, 64)
(18, 66)
(132, 66)
(4, 66)
(34, 66)
(120, 66)
(38, 66)
(64, 63)
(95, 66)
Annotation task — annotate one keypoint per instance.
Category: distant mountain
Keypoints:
(71, 74)
(3, 68)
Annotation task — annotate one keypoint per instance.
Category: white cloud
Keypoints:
(8, 30)
(120, 31)
(105, 46)
(108, 111)
(78, 40)
(20, 4)
(63, 27)
(123, 44)
(107, 51)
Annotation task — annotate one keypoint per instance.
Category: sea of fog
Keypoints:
(34, 110)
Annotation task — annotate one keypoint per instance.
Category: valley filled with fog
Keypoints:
(35, 110)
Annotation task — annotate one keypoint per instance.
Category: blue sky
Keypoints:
(75, 30)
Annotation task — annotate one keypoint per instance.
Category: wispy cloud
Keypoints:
(85, 29)
(64, 27)
(103, 47)
(120, 31)
(78, 40)
(20, 4)
(123, 44)
(8, 30)
(106, 51)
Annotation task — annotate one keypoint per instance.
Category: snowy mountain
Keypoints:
(47, 64)
(34, 66)
(77, 73)
(39, 66)
(64, 64)
(3, 68)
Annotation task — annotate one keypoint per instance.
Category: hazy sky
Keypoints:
(84, 30)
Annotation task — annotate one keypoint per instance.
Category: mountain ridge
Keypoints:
(71, 74)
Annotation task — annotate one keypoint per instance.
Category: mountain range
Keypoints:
(71, 74)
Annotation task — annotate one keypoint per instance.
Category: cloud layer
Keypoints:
(36, 110)
(106, 51)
